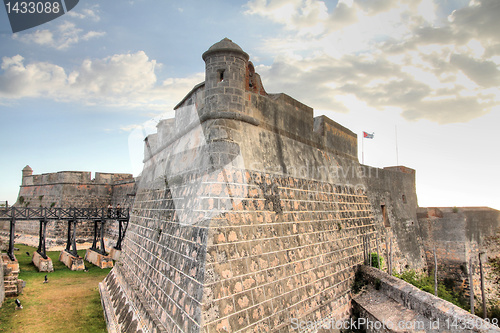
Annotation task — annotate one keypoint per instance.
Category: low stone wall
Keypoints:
(433, 310)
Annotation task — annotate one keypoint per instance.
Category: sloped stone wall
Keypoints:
(287, 250)
(249, 213)
(215, 247)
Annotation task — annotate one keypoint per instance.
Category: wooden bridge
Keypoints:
(72, 215)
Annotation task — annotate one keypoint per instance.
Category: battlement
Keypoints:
(74, 177)
(401, 168)
(112, 178)
(57, 178)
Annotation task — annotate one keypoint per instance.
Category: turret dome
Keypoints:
(225, 45)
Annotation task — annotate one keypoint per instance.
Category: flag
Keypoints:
(368, 135)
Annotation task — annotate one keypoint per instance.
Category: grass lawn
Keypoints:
(68, 303)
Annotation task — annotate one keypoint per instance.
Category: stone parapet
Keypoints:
(420, 311)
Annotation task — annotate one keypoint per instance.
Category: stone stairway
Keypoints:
(12, 284)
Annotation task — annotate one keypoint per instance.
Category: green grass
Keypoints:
(426, 283)
(70, 302)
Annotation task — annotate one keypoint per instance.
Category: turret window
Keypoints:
(221, 75)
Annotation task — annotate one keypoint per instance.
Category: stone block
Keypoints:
(72, 262)
(98, 259)
(43, 265)
(115, 254)
(20, 284)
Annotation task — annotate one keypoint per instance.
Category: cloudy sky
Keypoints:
(425, 72)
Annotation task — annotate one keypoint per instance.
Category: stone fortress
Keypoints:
(70, 189)
(250, 213)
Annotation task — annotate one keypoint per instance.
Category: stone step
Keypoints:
(11, 289)
(10, 285)
(10, 277)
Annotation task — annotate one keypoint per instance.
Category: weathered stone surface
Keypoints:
(10, 276)
(72, 262)
(250, 213)
(115, 254)
(43, 265)
(98, 259)
(459, 234)
(392, 193)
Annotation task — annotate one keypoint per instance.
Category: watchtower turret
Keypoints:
(225, 69)
(27, 171)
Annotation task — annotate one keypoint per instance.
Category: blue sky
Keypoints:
(73, 90)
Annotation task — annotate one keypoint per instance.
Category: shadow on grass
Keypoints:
(69, 302)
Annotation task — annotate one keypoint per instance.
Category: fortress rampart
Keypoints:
(250, 212)
(70, 189)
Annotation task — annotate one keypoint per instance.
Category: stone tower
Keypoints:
(27, 171)
(225, 70)
(250, 214)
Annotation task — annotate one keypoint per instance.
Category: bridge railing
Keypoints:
(4, 204)
(25, 213)
(71, 215)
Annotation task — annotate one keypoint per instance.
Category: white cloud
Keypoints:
(40, 37)
(122, 80)
(93, 34)
(391, 54)
(130, 128)
(427, 10)
(306, 16)
(64, 36)
(119, 74)
(32, 80)
(91, 13)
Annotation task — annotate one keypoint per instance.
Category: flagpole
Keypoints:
(397, 153)
(363, 149)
